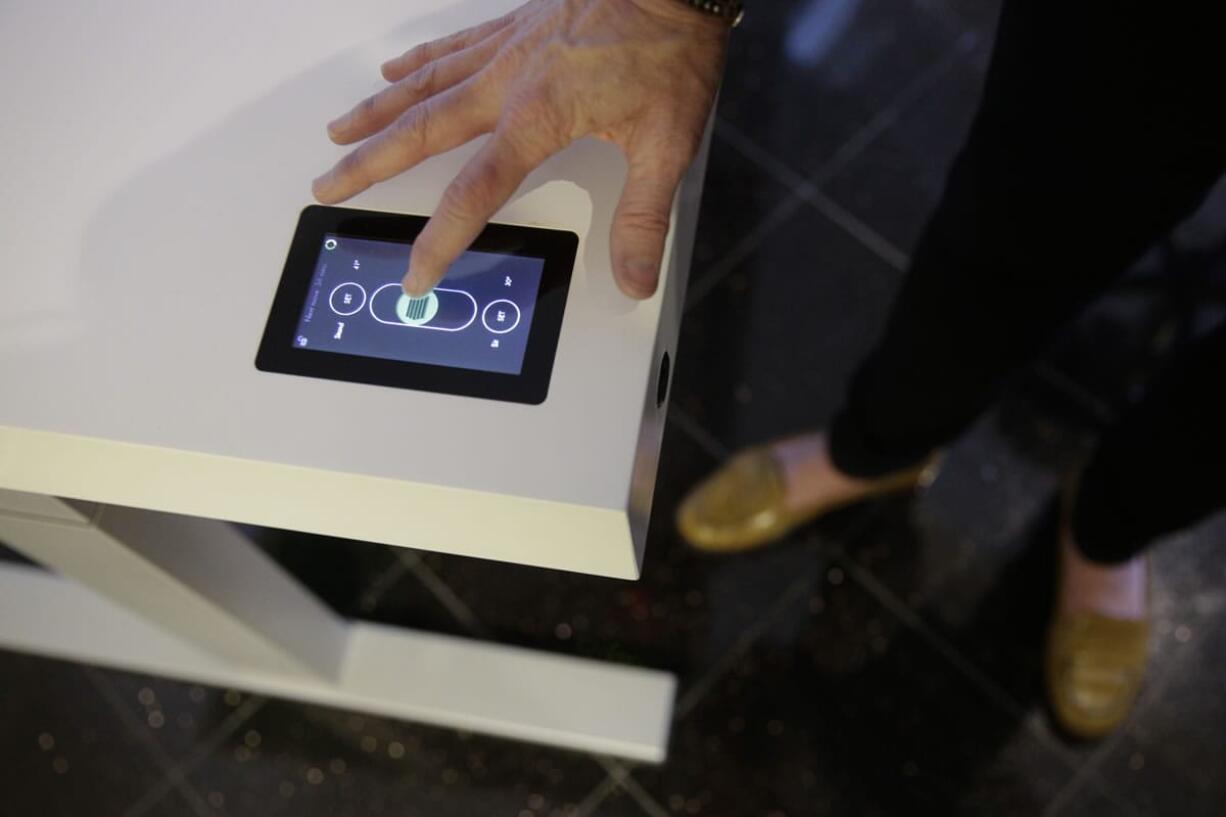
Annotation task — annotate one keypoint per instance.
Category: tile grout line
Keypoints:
(853, 146)
(748, 637)
(862, 137)
(622, 777)
(741, 250)
(102, 684)
(806, 192)
(834, 547)
(686, 703)
(378, 587)
(857, 229)
(643, 797)
(1074, 391)
(695, 693)
(446, 596)
(616, 768)
(886, 598)
(232, 723)
(910, 95)
(691, 428)
(599, 793)
(1089, 769)
(727, 132)
(986, 685)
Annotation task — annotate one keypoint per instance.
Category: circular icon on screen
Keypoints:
(330, 244)
(347, 299)
(416, 311)
(500, 316)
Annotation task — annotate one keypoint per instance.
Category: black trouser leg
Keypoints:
(1163, 467)
(1100, 128)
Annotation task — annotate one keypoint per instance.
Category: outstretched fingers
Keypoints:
(376, 112)
(418, 57)
(438, 124)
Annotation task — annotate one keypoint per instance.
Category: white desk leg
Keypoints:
(198, 578)
(193, 599)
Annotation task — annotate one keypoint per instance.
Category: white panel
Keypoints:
(153, 168)
(197, 578)
(470, 523)
(504, 691)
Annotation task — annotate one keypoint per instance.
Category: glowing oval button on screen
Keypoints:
(443, 310)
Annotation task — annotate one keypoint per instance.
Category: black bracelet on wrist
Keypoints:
(733, 11)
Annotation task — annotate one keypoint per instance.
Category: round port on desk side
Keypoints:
(662, 383)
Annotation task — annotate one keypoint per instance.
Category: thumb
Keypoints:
(641, 222)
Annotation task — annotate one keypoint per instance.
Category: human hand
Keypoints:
(641, 74)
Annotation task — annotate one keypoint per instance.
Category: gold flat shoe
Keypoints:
(743, 505)
(1094, 669)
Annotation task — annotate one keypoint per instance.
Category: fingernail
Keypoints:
(642, 276)
(412, 286)
(339, 125)
(320, 186)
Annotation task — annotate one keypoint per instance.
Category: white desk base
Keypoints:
(193, 599)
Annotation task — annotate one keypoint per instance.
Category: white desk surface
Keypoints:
(154, 158)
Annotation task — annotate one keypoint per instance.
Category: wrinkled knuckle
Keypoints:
(414, 56)
(449, 43)
(558, 53)
(518, 115)
(483, 81)
(368, 109)
(353, 166)
(644, 220)
(532, 125)
(521, 135)
(465, 197)
(421, 81)
(412, 129)
(429, 77)
(456, 206)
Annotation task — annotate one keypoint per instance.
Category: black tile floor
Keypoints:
(884, 661)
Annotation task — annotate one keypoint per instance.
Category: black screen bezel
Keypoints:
(531, 386)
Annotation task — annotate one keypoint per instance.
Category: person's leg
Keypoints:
(1154, 472)
(1160, 469)
(1099, 130)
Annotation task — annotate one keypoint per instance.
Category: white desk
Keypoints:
(154, 162)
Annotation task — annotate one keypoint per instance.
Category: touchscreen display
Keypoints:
(490, 329)
(477, 317)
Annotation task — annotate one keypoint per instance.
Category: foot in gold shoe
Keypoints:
(765, 492)
(1099, 641)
